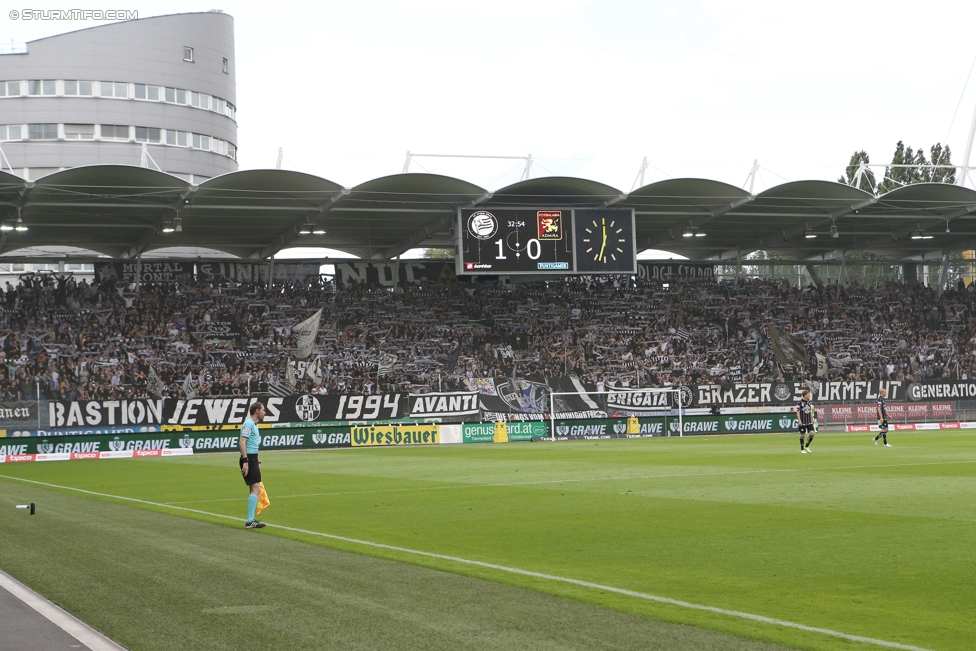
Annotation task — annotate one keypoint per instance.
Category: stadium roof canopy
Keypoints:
(121, 212)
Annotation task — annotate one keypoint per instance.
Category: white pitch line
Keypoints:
(514, 570)
(61, 618)
(585, 479)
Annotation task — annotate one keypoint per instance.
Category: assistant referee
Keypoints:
(250, 443)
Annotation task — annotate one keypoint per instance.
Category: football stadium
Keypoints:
(492, 417)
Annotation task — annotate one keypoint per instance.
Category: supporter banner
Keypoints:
(664, 271)
(220, 412)
(95, 413)
(394, 435)
(18, 414)
(236, 272)
(221, 330)
(287, 271)
(385, 273)
(146, 272)
(444, 405)
(638, 403)
(217, 413)
(941, 389)
(771, 393)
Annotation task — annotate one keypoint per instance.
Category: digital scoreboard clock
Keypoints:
(550, 240)
(605, 242)
(515, 241)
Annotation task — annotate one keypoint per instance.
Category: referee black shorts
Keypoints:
(253, 469)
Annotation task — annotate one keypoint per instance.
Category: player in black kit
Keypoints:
(804, 417)
(882, 418)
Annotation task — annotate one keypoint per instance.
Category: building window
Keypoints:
(47, 131)
(225, 66)
(170, 95)
(139, 91)
(117, 89)
(147, 134)
(13, 88)
(152, 93)
(115, 132)
(10, 132)
(180, 96)
(75, 87)
(187, 53)
(41, 87)
(79, 131)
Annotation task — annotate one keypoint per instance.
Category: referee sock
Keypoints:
(809, 439)
(252, 506)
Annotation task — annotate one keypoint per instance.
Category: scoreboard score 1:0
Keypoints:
(512, 241)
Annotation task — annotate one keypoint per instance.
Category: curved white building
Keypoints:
(156, 92)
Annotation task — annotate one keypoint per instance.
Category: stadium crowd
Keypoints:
(68, 339)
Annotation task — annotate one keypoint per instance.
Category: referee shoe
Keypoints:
(254, 524)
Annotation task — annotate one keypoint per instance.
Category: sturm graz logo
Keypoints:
(685, 396)
(307, 407)
(731, 424)
(787, 423)
(45, 447)
(482, 225)
(562, 430)
(319, 438)
(186, 441)
(116, 444)
(782, 392)
(619, 428)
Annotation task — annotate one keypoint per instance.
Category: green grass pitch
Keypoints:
(861, 540)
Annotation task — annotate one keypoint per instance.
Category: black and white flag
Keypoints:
(306, 332)
(386, 363)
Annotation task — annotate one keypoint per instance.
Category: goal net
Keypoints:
(616, 403)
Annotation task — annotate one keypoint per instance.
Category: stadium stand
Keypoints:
(72, 340)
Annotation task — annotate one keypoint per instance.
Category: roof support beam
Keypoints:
(426, 231)
(289, 235)
(924, 225)
(797, 229)
(666, 235)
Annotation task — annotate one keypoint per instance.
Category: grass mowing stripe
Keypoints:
(590, 479)
(62, 619)
(511, 570)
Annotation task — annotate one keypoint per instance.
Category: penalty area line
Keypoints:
(511, 570)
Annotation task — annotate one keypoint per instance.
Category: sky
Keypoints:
(589, 89)
(701, 89)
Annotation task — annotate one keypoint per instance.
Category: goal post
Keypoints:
(587, 398)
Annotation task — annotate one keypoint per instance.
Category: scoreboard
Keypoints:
(551, 240)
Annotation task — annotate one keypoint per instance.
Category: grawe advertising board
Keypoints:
(196, 441)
